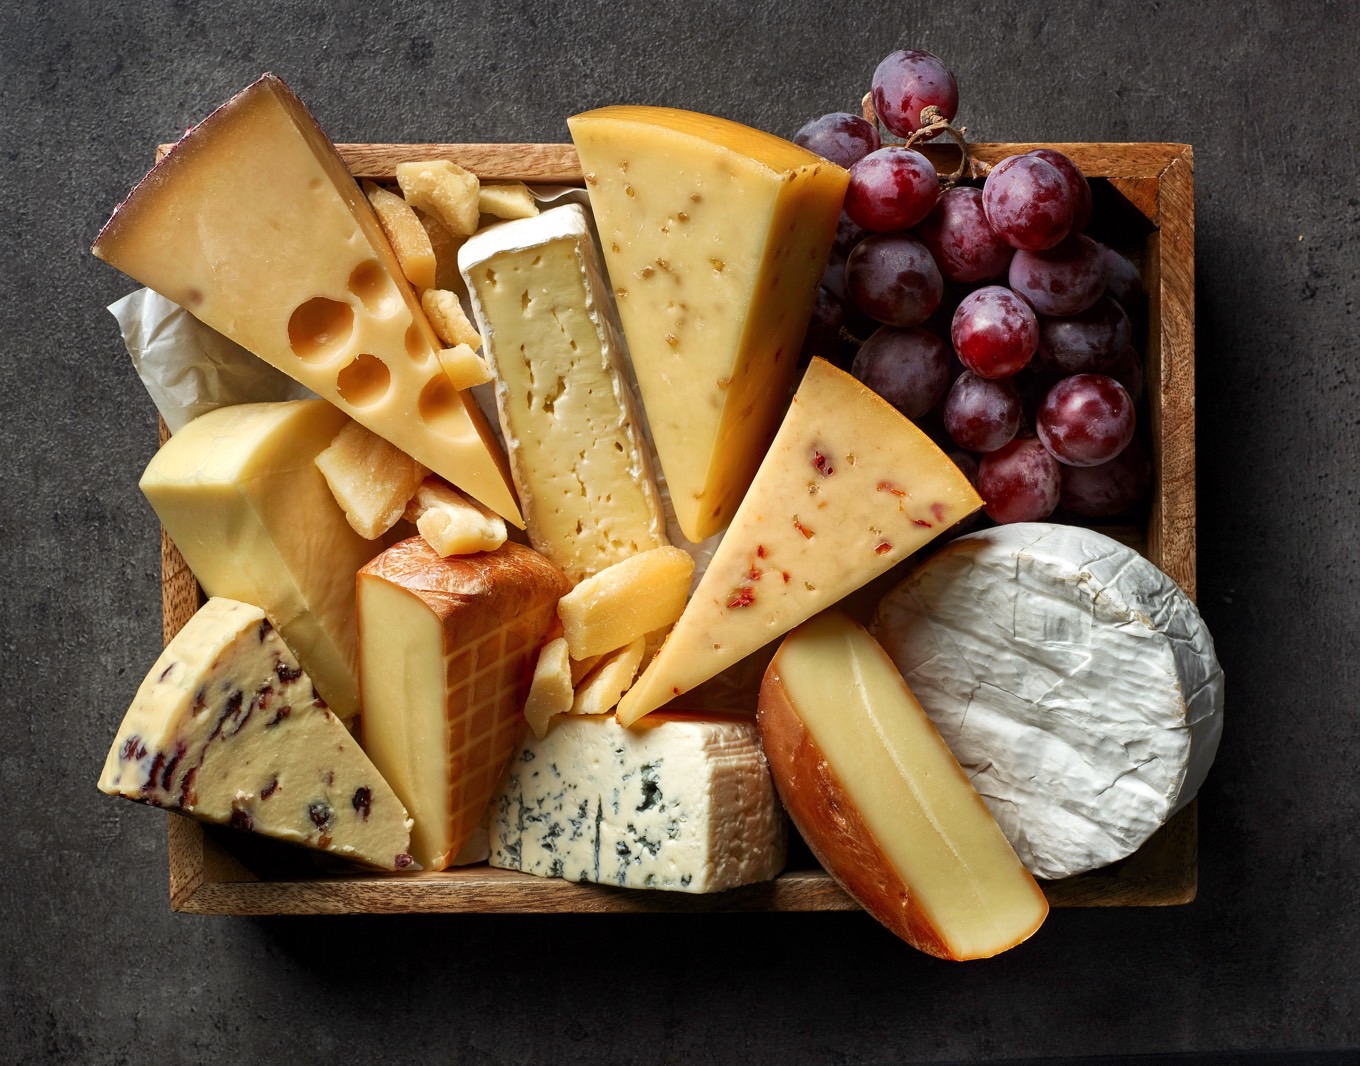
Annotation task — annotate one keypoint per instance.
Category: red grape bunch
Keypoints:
(983, 311)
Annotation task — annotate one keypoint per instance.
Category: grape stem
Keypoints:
(935, 122)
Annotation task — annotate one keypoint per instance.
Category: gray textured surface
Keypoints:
(93, 968)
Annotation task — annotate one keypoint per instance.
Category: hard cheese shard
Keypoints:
(684, 803)
(254, 225)
(576, 451)
(881, 801)
(240, 494)
(715, 236)
(446, 650)
(1074, 680)
(226, 727)
(849, 488)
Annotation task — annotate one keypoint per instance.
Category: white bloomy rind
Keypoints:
(1075, 682)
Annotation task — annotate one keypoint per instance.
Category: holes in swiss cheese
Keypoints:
(441, 408)
(319, 328)
(364, 381)
(373, 285)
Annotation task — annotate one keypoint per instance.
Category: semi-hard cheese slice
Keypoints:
(1074, 680)
(226, 727)
(240, 494)
(446, 650)
(881, 801)
(849, 487)
(254, 225)
(576, 451)
(715, 236)
(683, 803)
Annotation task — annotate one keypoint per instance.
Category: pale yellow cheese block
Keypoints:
(881, 800)
(716, 236)
(577, 455)
(254, 225)
(446, 651)
(240, 494)
(849, 488)
(227, 727)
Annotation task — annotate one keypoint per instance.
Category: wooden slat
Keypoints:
(207, 878)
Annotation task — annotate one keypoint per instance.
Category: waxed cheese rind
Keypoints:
(1074, 680)
(686, 804)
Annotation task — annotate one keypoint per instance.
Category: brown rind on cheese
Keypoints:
(883, 803)
(446, 651)
(830, 823)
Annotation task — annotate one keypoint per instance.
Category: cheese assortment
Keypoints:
(514, 699)
(1074, 680)
(683, 803)
(227, 727)
(576, 451)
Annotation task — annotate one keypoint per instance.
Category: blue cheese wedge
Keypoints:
(227, 728)
(681, 802)
(550, 334)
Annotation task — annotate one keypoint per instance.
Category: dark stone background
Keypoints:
(94, 968)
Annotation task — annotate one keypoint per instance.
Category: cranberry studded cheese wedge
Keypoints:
(849, 488)
(240, 494)
(885, 807)
(254, 225)
(227, 728)
(447, 648)
(715, 236)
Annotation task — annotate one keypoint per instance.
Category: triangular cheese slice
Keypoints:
(226, 727)
(849, 488)
(253, 224)
(715, 236)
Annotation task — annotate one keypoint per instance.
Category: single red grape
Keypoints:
(908, 81)
(981, 415)
(1087, 341)
(1085, 420)
(907, 367)
(892, 278)
(1111, 488)
(1028, 202)
(1122, 281)
(891, 189)
(994, 332)
(842, 138)
(1019, 482)
(959, 237)
(1076, 181)
(823, 336)
(1063, 280)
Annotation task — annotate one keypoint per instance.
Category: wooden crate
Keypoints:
(1145, 200)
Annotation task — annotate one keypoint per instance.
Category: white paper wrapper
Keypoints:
(188, 368)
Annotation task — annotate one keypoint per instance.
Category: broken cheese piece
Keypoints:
(599, 693)
(448, 319)
(626, 601)
(510, 199)
(369, 478)
(550, 691)
(445, 190)
(408, 237)
(451, 524)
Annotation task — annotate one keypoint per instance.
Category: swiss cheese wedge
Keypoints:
(254, 225)
(848, 488)
(715, 236)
